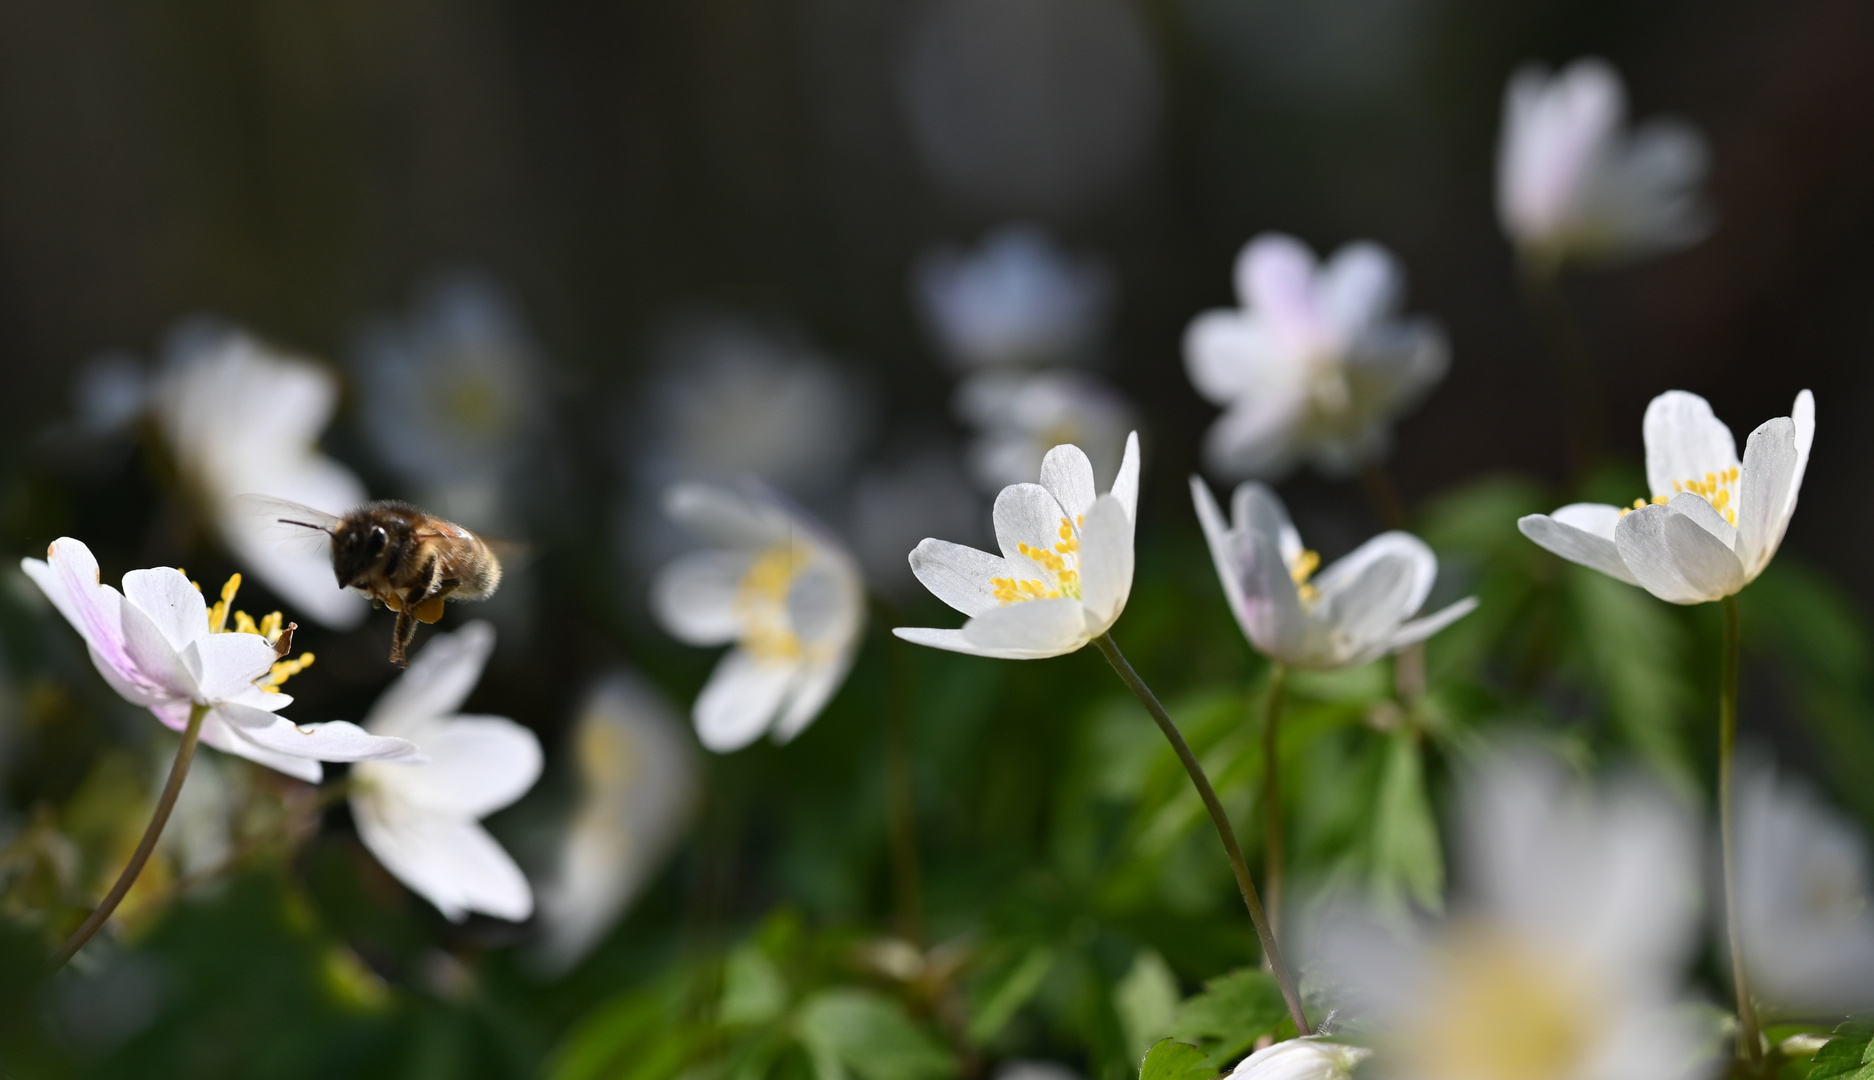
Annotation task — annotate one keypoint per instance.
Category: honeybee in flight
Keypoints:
(402, 558)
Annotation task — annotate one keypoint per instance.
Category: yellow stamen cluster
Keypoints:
(1010, 590)
(269, 627)
(761, 601)
(1302, 569)
(1716, 488)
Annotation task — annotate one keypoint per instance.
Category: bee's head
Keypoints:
(358, 550)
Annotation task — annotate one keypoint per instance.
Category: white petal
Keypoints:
(1708, 519)
(694, 597)
(1359, 287)
(1228, 354)
(438, 680)
(1218, 538)
(741, 700)
(154, 660)
(1106, 560)
(453, 864)
(1257, 508)
(217, 733)
(1598, 519)
(1257, 435)
(815, 686)
(954, 641)
(1675, 558)
(1126, 482)
(1684, 441)
(228, 664)
(1027, 514)
(730, 518)
(1419, 629)
(172, 602)
(1578, 544)
(477, 765)
(1036, 628)
(1766, 491)
(1068, 476)
(94, 609)
(338, 740)
(1366, 595)
(958, 575)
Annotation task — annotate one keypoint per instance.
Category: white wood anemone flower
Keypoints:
(1017, 299)
(1357, 610)
(1065, 570)
(159, 645)
(1316, 363)
(1566, 952)
(241, 417)
(1573, 185)
(781, 587)
(1713, 523)
(423, 819)
(1308, 1058)
(1802, 897)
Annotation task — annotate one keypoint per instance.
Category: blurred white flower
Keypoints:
(637, 786)
(782, 588)
(1065, 571)
(1355, 611)
(1802, 883)
(1034, 1070)
(1309, 1058)
(1315, 365)
(1713, 525)
(451, 395)
(423, 820)
(1019, 416)
(1017, 299)
(200, 830)
(1566, 958)
(1572, 185)
(159, 646)
(241, 418)
(1043, 107)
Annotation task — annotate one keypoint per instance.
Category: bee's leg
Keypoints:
(402, 635)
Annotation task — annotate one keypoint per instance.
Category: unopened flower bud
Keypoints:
(1311, 1058)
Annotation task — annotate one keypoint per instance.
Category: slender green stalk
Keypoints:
(1727, 829)
(1581, 380)
(178, 772)
(1272, 795)
(1110, 649)
(907, 876)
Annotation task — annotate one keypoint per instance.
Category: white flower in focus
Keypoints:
(423, 819)
(1357, 610)
(1567, 955)
(1802, 881)
(779, 586)
(1017, 299)
(637, 778)
(1065, 570)
(159, 646)
(1315, 365)
(452, 393)
(1019, 416)
(1309, 1058)
(1572, 185)
(1713, 524)
(240, 417)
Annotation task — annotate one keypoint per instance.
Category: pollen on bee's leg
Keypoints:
(428, 611)
(392, 601)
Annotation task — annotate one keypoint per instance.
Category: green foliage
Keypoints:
(1847, 1056)
(1172, 1060)
(1231, 1013)
(870, 1035)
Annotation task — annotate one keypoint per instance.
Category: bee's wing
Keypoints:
(295, 526)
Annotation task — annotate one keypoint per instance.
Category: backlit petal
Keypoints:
(958, 575)
(1106, 561)
(1684, 441)
(172, 602)
(1576, 543)
(1027, 514)
(741, 700)
(694, 596)
(438, 680)
(1766, 491)
(1038, 628)
(477, 765)
(1068, 476)
(452, 863)
(1675, 558)
(1126, 482)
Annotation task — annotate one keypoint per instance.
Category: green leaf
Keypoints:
(753, 991)
(1231, 1013)
(1172, 1060)
(1634, 648)
(1009, 995)
(1408, 863)
(870, 1035)
(1847, 1056)
(1146, 1001)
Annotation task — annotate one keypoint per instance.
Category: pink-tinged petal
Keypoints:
(171, 601)
(94, 609)
(438, 681)
(1684, 441)
(218, 734)
(338, 740)
(1037, 628)
(741, 699)
(154, 660)
(1359, 287)
(1106, 561)
(452, 863)
(958, 575)
(1126, 481)
(477, 765)
(228, 664)
(1579, 538)
(1675, 558)
(1275, 279)
(1068, 476)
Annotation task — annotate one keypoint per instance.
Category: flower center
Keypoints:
(1498, 1009)
(1302, 569)
(1062, 566)
(1717, 488)
(761, 603)
(269, 628)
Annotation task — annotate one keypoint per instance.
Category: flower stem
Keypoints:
(1272, 796)
(1581, 381)
(1727, 828)
(907, 876)
(1110, 649)
(185, 754)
